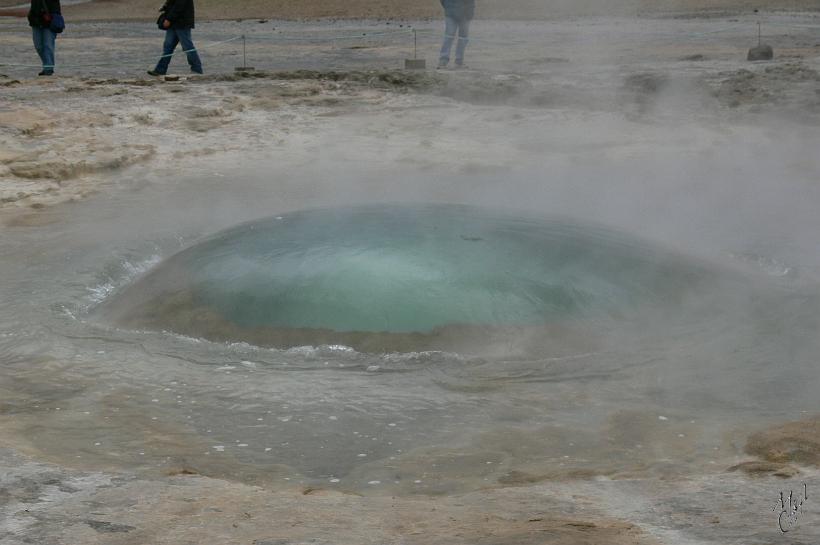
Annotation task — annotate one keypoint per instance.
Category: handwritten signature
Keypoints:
(790, 511)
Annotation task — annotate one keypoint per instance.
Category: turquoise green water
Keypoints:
(413, 269)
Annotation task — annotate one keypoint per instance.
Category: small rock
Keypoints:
(792, 442)
(762, 52)
(109, 527)
(762, 468)
(518, 478)
(786, 472)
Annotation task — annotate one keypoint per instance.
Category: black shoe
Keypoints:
(200, 72)
(154, 73)
(46, 73)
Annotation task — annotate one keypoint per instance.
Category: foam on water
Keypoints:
(126, 272)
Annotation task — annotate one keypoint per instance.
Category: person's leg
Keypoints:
(171, 41)
(49, 41)
(450, 29)
(37, 37)
(463, 39)
(188, 46)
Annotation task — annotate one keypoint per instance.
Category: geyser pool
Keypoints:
(402, 277)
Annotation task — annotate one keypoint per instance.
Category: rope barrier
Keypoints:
(233, 39)
(332, 38)
(426, 33)
(118, 63)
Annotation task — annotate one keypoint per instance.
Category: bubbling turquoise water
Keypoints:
(406, 271)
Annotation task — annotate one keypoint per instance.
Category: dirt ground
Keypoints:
(188, 509)
(111, 119)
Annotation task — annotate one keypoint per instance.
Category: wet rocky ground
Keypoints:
(64, 138)
(47, 504)
(630, 99)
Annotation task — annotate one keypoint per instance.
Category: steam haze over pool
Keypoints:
(570, 292)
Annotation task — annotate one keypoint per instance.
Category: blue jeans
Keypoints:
(453, 27)
(173, 37)
(44, 40)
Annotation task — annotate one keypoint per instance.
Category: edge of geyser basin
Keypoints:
(170, 305)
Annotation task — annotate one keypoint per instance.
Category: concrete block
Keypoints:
(762, 52)
(415, 64)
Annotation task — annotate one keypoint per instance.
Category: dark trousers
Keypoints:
(174, 37)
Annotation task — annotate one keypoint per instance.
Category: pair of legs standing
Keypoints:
(44, 41)
(174, 37)
(453, 28)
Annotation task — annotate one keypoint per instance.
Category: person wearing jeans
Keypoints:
(178, 22)
(457, 17)
(39, 19)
